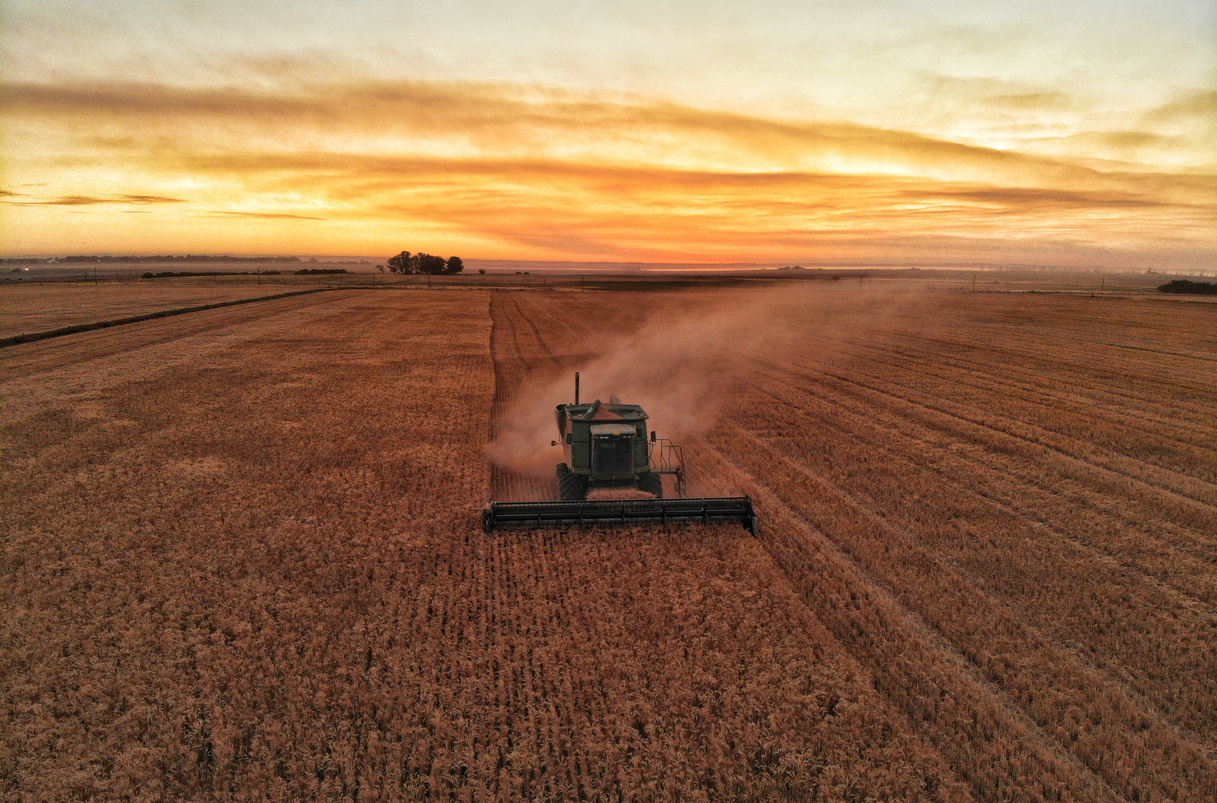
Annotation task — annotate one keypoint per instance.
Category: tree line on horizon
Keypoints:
(109, 258)
(424, 264)
(1189, 287)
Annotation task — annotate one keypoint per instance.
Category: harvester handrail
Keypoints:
(671, 461)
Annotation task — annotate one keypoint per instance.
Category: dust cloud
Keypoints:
(687, 360)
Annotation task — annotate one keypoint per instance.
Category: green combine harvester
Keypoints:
(607, 446)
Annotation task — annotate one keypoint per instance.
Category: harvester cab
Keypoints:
(606, 445)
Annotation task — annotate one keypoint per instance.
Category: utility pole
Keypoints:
(973, 282)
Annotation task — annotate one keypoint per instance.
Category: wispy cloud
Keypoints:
(997, 91)
(91, 200)
(1200, 105)
(149, 199)
(262, 215)
(71, 200)
(1031, 101)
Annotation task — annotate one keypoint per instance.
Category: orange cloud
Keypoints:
(527, 172)
(486, 119)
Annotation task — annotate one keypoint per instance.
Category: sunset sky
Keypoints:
(1067, 133)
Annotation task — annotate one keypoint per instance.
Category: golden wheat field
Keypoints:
(243, 556)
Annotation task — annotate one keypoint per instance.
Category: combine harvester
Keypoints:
(606, 446)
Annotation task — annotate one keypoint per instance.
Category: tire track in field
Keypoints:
(1152, 633)
(1144, 385)
(513, 364)
(1071, 331)
(1100, 371)
(1016, 662)
(1150, 520)
(1190, 493)
(1185, 488)
(1160, 679)
(982, 378)
(1200, 357)
(972, 723)
(996, 461)
(1035, 402)
(546, 351)
(522, 351)
(1168, 556)
(1135, 654)
(1172, 502)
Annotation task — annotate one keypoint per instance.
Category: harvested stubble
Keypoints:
(30, 308)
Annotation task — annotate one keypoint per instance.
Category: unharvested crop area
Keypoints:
(243, 556)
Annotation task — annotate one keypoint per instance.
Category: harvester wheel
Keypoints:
(652, 484)
(570, 485)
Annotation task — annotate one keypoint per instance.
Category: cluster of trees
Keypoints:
(1189, 287)
(424, 264)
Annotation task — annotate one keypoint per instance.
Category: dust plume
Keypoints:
(686, 361)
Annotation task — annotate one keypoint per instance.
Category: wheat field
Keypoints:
(242, 552)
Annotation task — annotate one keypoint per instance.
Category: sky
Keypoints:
(1056, 133)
